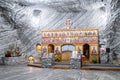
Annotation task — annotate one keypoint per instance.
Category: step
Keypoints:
(61, 67)
(102, 65)
(100, 68)
(61, 63)
(34, 65)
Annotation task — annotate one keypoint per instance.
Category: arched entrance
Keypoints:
(86, 50)
(67, 51)
(50, 48)
(38, 47)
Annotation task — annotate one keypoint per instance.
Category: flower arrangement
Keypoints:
(57, 58)
(10, 51)
(94, 59)
(102, 51)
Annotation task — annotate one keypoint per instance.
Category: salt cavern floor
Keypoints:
(23, 72)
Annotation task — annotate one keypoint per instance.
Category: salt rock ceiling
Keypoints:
(22, 20)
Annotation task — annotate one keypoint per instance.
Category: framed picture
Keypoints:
(44, 49)
(94, 50)
(57, 50)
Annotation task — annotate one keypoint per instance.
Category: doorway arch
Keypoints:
(86, 50)
(38, 47)
(67, 51)
(50, 48)
(68, 47)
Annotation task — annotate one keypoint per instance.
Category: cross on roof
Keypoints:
(68, 22)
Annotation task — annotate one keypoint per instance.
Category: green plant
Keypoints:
(11, 48)
(57, 58)
(94, 60)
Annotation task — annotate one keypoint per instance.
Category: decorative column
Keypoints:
(75, 61)
(47, 61)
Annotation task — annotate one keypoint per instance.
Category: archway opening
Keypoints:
(50, 48)
(86, 50)
(38, 47)
(67, 51)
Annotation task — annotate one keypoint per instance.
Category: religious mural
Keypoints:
(44, 51)
(85, 41)
(94, 50)
(72, 36)
(57, 50)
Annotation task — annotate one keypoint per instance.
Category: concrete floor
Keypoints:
(23, 72)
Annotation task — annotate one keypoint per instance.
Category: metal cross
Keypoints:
(68, 22)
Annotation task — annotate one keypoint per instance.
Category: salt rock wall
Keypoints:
(22, 20)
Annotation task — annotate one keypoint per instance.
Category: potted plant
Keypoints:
(10, 52)
(57, 58)
(94, 60)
